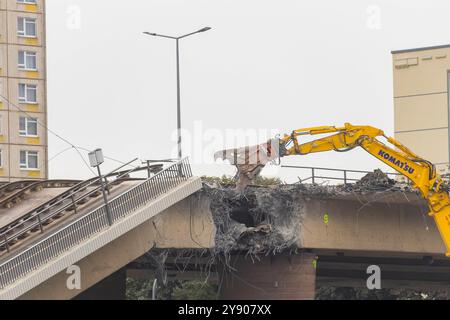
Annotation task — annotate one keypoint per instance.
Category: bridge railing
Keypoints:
(92, 223)
(316, 174)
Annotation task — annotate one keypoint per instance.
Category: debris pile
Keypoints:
(377, 179)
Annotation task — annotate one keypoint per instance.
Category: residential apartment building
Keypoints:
(421, 95)
(23, 109)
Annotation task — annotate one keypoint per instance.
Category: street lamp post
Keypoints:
(96, 159)
(177, 39)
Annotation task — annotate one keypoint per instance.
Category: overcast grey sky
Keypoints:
(265, 65)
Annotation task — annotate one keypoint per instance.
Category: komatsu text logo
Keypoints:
(398, 163)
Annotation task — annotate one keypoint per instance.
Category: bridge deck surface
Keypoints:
(31, 200)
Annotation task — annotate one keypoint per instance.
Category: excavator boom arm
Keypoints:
(419, 171)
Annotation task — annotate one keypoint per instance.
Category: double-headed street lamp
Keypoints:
(177, 39)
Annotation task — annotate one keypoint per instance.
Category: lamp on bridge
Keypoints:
(96, 159)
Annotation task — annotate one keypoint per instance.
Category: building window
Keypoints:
(28, 160)
(1, 158)
(27, 93)
(26, 27)
(26, 1)
(28, 127)
(27, 60)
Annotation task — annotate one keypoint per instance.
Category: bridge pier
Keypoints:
(283, 276)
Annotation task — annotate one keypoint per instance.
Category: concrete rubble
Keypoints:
(257, 220)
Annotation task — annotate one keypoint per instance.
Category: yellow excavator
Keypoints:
(420, 172)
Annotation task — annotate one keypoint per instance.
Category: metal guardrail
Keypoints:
(346, 174)
(11, 186)
(13, 196)
(92, 223)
